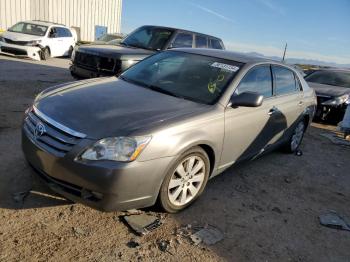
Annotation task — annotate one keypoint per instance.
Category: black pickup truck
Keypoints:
(91, 60)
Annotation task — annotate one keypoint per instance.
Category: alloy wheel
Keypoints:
(186, 181)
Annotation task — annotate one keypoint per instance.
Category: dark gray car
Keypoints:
(332, 88)
(96, 60)
(164, 127)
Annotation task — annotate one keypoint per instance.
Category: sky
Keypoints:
(313, 29)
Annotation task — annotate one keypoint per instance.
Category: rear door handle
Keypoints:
(300, 103)
(272, 111)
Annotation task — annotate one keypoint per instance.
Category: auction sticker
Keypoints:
(225, 66)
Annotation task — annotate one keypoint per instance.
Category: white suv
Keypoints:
(38, 40)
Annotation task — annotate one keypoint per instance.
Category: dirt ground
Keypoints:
(267, 209)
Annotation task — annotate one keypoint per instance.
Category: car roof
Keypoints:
(229, 55)
(180, 29)
(44, 23)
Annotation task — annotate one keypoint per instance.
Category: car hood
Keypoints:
(20, 37)
(112, 107)
(329, 90)
(116, 51)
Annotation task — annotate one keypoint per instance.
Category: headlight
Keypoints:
(337, 101)
(123, 149)
(33, 43)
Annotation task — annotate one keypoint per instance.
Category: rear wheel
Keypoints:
(185, 181)
(294, 142)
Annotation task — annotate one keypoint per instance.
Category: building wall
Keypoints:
(74, 13)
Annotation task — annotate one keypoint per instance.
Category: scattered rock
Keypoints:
(132, 244)
(163, 245)
(287, 180)
(72, 208)
(277, 210)
(298, 152)
(60, 215)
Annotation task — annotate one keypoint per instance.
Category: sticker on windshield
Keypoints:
(225, 66)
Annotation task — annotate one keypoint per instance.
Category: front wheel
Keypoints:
(295, 140)
(185, 181)
(45, 54)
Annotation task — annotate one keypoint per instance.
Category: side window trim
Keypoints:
(298, 82)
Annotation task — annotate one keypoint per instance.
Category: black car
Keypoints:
(332, 87)
(106, 60)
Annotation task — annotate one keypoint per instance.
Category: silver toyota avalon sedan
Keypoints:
(160, 130)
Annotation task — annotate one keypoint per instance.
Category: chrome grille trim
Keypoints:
(58, 125)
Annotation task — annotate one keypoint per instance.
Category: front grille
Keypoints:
(96, 63)
(13, 51)
(53, 140)
(9, 41)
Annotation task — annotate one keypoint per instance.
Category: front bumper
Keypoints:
(103, 185)
(32, 52)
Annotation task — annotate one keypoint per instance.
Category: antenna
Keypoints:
(284, 53)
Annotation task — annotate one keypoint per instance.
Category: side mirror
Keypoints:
(247, 99)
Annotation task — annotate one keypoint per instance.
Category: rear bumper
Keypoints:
(20, 51)
(103, 185)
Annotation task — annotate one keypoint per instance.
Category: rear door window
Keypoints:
(284, 80)
(215, 43)
(257, 80)
(183, 40)
(201, 41)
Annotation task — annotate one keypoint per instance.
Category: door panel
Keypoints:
(248, 131)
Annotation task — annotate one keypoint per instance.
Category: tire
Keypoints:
(180, 188)
(296, 138)
(45, 54)
(70, 51)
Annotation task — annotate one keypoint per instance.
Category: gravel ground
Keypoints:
(267, 209)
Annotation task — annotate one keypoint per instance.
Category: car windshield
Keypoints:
(107, 38)
(198, 78)
(327, 77)
(153, 38)
(29, 29)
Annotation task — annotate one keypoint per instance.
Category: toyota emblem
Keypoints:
(39, 130)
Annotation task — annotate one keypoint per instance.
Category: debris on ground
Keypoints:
(133, 244)
(333, 220)
(78, 231)
(277, 210)
(19, 197)
(208, 236)
(287, 180)
(142, 223)
(298, 152)
(163, 245)
(335, 139)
